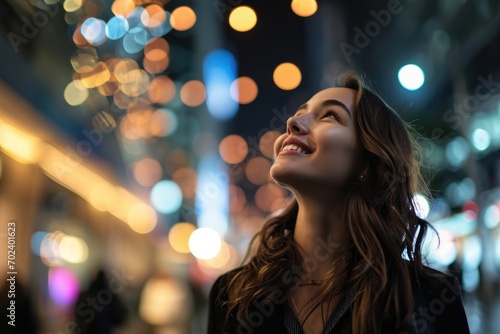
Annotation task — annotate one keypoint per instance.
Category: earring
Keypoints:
(362, 177)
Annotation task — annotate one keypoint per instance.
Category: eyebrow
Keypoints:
(328, 103)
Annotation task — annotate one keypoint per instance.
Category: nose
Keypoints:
(297, 125)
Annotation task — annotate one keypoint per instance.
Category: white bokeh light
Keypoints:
(411, 77)
(204, 243)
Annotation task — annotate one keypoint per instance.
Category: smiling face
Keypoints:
(320, 149)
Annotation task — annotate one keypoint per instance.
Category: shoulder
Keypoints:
(218, 291)
(438, 305)
(217, 310)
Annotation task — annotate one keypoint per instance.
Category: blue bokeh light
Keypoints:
(219, 72)
(117, 27)
(94, 30)
(166, 196)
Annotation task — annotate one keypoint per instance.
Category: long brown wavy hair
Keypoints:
(383, 224)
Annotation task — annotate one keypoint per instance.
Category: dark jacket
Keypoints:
(438, 309)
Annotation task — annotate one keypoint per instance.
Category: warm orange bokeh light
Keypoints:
(233, 149)
(161, 90)
(183, 18)
(147, 172)
(242, 18)
(122, 69)
(178, 237)
(96, 77)
(135, 83)
(153, 16)
(244, 90)
(269, 197)
(162, 123)
(304, 8)
(159, 47)
(266, 143)
(257, 170)
(122, 7)
(287, 76)
(156, 66)
(78, 38)
(193, 93)
(142, 218)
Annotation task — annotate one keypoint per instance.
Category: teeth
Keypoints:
(294, 148)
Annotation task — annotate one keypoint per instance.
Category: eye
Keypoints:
(332, 114)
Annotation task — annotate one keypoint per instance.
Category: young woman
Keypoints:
(331, 261)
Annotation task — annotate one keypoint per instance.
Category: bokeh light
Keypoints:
(94, 31)
(266, 143)
(135, 40)
(117, 27)
(122, 7)
(178, 236)
(242, 18)
(147, 172)
(161, 90)
(287, 76)
(304, 8)
(153, 16)
(491, 216)
(411, 77)
(193, 93)
(204, 243)
(73, 249)
(219, 72)
(244, 90)
(97, 76)
(182, 18)
(257, 170)
(63, 286)
(72, 5)
(269, 197)
(233, 149)
(166, 196)
(75, 93)
(141, 218)
(163, 123)
(481, 139)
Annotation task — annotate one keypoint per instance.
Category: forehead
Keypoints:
(345, 95)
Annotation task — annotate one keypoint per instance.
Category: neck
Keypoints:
(320, 233)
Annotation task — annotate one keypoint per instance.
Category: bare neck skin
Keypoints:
(320, 230)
